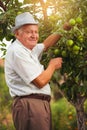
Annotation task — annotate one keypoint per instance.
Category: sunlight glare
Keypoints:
(21, 1)
(45, 1)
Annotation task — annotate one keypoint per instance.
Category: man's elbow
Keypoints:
(40, 84)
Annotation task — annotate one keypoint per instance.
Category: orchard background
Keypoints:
(69, 85)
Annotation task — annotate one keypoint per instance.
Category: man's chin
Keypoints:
(33, 46)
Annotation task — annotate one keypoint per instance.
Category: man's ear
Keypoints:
(16, 33)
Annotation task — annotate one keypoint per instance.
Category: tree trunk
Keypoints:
(44, 9)
(81, 118)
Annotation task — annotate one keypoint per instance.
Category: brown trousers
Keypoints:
(31, 114)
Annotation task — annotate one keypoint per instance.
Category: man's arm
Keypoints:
(46, 75)
(54, 38)
(51, 40)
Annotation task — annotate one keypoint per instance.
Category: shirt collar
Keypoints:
(23, 45)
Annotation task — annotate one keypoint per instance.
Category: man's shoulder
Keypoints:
(39, 46)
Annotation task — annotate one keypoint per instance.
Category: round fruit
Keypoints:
(80, 38)
(79, 20)
(56, 51)
(64, 53)
(76, 52)
(72, 22)
(76, 48)
(70, 43)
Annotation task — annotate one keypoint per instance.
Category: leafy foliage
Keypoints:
(5, 104)
(72, 46)
(64, 115)
(73, 49)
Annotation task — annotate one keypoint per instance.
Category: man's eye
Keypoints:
(36, 32)
(28, 32)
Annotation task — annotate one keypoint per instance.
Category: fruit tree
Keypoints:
(73, 49)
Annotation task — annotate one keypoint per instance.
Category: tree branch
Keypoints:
(2, 5)
(7, 2)
(44, 8)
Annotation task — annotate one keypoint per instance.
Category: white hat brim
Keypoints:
(17, 27)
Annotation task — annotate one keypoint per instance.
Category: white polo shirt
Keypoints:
(22, 66)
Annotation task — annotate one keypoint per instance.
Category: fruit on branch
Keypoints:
(69, 42)
(79, 20)
(72, 22)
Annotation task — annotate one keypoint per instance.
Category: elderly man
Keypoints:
(26, 78)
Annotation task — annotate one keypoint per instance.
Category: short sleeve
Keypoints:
(38, 50)
(26, 67)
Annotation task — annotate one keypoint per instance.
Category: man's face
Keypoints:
(28, 35)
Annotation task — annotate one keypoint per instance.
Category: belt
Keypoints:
(36, 96)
